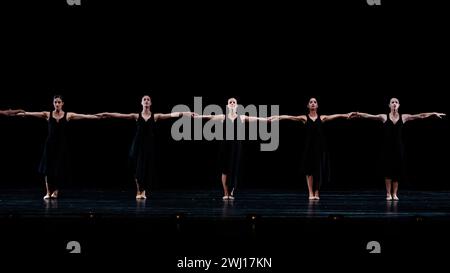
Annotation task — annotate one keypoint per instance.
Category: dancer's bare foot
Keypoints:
(225, 197)
(312, 197)
(388, 197)
(143, 195)
(47, 196)
(54, 194)
(316, 195)
(395, 197)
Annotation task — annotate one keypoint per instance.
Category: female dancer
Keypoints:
(231, 150)
(315, 159)
(392, 150)
(142, 152)
(10, 112)
(54, 160)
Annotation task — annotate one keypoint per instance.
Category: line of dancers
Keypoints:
(315, 161)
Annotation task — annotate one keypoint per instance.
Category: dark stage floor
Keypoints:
(209, 204)
(173, 225)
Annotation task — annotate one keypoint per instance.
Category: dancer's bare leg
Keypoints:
(138, 192)
(226, 194)
(388, 182)
(395, 190)
(47, 187)
(309, 182)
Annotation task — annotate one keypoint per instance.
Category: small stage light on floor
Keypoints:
(12, 215)
(179, 216)
(336, 217)
(91, 215)
(178, 220)
(419, 219)
(253, 217)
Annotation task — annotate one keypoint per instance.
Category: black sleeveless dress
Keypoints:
(142, 152)
(231, 152)
(315, 160)
(393, 149)
(54, 162)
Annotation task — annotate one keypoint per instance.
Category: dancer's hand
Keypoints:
(439, 115)
(101, 115)
(353, 115)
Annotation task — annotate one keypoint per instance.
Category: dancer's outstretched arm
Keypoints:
(160, 116)
(379, 117)
(253, 119)
(75, 116)
(210, 117)
(336, 116)
(408, 117)
(44, 114)
(301, 118)
(118, 115)
(11, 112)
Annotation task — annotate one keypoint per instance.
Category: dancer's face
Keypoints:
(232, 104)
(394, 104)
(146, 101)
(58, 104)
(312, 104)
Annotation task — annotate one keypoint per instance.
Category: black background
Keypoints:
(104, 55)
